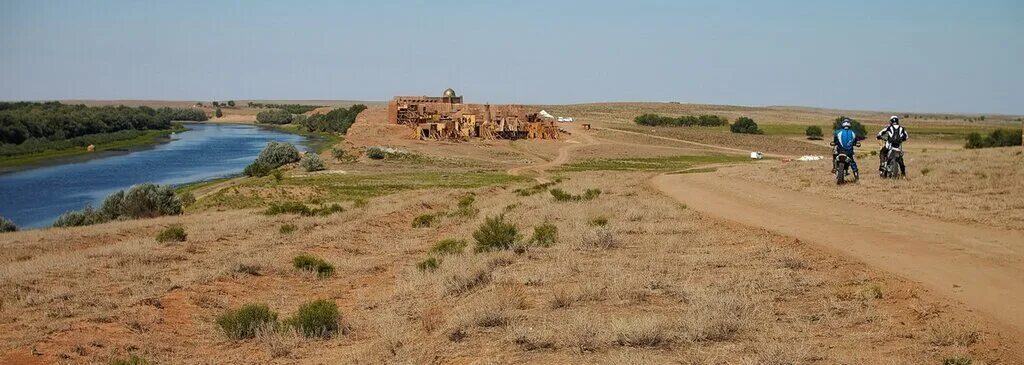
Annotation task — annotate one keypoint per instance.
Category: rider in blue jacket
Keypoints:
(845, 140)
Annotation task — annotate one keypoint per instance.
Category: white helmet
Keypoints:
(894, 120)
(846, 125)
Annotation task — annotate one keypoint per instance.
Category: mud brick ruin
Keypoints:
(448, 118)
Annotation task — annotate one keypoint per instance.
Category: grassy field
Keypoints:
(333, 187)
(669, 163)
(146, 138)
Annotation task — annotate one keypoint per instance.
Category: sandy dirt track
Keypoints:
(980, 267)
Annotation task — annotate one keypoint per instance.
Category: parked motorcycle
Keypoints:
(893, 166)
(842, 164)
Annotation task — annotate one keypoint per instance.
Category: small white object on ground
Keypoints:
(756, 155)
(810, 158)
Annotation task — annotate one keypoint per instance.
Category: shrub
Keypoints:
(288, 228)
(448, 247)
(140, 201)
(599, 221)
(319, 318)
(465, 207)
(429, 264)
(423, 220)
(172, 234)
(957, 361)
(376, 153)
(6, 225)
(312, 162)
(186, 198)
(496, 234)
(562, 196)
(745, 125)
(277, 175)
(288, 208)
(998, 138)
(277, 154)
(244, 322)
(338, 153)
(217, 113)
(131, 360)
(149, 200)
(545, 235)
(302, 209)
(857, 128)
(274, 116)
(257, 169)
(814, 132)
(534, 189)
(314, 264)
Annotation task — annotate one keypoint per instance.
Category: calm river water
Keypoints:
(36, 197)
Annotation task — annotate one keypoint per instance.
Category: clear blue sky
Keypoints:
(937, 56)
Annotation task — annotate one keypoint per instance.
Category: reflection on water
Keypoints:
(36, 197)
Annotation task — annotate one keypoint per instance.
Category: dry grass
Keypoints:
(657, 284)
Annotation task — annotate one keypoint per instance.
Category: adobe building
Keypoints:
(446, 117)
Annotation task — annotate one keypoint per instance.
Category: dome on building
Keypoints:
(449, 93)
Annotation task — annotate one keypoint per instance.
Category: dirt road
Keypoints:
(576, 140)
(982, 268)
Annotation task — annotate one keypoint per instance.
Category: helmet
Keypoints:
(846, 124)
(894, 120)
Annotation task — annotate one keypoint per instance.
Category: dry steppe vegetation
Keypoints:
(589, 264)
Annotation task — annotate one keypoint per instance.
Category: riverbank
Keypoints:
(29, 160)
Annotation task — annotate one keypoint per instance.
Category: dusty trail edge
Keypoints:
(979, 267)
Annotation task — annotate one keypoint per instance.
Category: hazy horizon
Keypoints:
(915, 56)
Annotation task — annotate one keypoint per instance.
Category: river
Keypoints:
(36, 197)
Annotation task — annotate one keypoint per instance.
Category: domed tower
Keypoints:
(449, 96)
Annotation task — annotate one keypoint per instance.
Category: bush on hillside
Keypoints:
(376, 153)
(131, 360)
(745, 125)
(257, 169)
(312, 162)
(449, 246)
(314, 264)
(140, 201)
(276, 154)
(274, 116)
(857, 128)
(814, 132)
(319, 318)
(172, 234)
(246, 321)
(6, 225)
(562, 196)
(545, 235)
(998, 138)
(496, 234)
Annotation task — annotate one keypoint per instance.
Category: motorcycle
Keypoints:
(842, 164)
(892, 168)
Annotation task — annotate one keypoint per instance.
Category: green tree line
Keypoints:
(686, 120)
(291, 108)
(22, 122)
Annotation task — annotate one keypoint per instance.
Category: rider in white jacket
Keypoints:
(894, 135)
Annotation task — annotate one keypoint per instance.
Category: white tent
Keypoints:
(545, 114)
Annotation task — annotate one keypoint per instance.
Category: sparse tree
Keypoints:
(745, 125)
(216, 103)
(231, 103)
